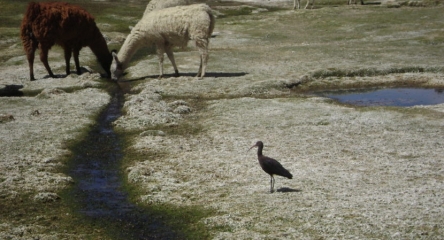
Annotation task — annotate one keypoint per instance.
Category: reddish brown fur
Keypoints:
(69, 26)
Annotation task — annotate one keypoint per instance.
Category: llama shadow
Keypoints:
(207, 74)
(288, 190)
(55, 76)
(82, 71)
(217, 74)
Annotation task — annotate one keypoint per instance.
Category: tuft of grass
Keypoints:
(371, 72)
(186, 220)
(239, 11)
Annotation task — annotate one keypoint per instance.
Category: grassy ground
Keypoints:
(358, 172)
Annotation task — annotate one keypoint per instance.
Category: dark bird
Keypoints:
(270, 165)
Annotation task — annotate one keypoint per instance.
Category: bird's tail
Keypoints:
(288, 175)
(285, 173)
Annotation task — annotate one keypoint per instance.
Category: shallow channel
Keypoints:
(399, 97)
(98, 194)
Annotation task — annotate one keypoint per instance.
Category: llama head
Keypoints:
(116, 67)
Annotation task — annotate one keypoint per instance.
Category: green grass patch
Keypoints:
(52, 219)
(237, 11)
(12, 13)
(23, 210)
(185, 220)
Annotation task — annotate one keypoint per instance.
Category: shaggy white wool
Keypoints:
(167, 28)
(161, 4)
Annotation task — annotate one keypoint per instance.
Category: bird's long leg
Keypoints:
(271, 184)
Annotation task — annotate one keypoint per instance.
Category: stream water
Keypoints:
(98, 192)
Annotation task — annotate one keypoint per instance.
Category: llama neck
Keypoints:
(133, 42)
(100, 49)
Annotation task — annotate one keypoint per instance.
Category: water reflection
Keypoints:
(400, 97)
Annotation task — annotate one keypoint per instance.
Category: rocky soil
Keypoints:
(365, 173)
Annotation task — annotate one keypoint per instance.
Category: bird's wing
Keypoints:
(269, 164)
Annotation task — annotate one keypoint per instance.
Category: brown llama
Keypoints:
(69, 26)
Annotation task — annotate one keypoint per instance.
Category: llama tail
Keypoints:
(212, 22)
(26, 30)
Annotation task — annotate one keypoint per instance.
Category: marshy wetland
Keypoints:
(358, 172)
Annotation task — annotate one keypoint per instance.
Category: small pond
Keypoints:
(400, 97)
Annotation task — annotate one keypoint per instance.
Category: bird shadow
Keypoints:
(288, 190)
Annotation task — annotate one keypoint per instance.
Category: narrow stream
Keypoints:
(97, 193)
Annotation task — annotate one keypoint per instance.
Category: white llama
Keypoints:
(165, 29)
(161, 4)
(297, 4)
(354, 2)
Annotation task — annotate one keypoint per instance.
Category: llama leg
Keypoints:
(203, 65)
(169, 52)
(44, 59)
(76, 60)
(30, 55)
(306, 5)
(202, 45)
(297, 4)
(30, 45)
(160, 52)
(67, 60)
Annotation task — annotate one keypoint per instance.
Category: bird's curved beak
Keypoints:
(252, 147)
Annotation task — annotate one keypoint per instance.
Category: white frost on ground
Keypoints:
(34, 141)
(34, 144)
(363, 173)
(358, 173)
